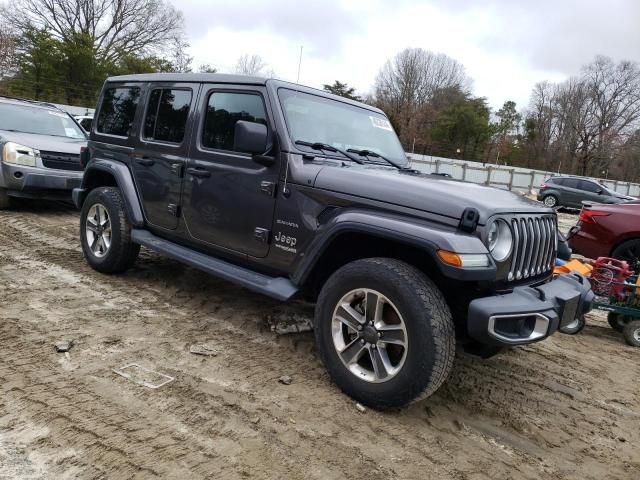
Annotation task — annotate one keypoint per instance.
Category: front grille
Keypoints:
(61, 161)
(534, 246)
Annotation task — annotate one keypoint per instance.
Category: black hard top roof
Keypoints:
(190, 77)
(231, 79)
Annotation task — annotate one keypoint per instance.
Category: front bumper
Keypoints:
(28, 181)
(529, 314)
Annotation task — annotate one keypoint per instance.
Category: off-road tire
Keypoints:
(618, 321)
(631, 333)
(5, 200)
(122, 252)
(429, 330)
(551, 201)
(574, 329)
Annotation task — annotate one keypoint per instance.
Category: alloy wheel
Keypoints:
(369, 335)
(98, 230)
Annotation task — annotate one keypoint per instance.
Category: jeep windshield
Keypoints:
(316, 119)
(39, 121)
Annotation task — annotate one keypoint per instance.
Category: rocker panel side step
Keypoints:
(279, 288)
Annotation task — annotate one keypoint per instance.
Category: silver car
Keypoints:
(40, 151)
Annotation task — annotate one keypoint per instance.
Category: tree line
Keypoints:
(586, 125)
(62, 51)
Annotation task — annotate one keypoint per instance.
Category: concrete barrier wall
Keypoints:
(515, 179)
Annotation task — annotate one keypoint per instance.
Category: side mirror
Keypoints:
(250, 137)
(599, 191)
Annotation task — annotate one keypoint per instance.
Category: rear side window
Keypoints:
(167, 114)
(118, 110)
(570, 182)
(224, 109)
(589, 186)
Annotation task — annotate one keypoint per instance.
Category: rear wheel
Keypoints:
(550, 201)
(384, 332)
(618, 321)
(105, 232)
(631, 333)
(629, 251)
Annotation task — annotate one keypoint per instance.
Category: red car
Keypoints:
(608, 231)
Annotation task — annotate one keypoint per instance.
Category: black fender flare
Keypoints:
(423, 234)
(96, 169)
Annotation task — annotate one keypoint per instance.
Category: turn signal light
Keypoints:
(450, 258)
(464, 260)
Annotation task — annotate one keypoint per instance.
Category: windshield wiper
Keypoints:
(328, 148)
(369, 153)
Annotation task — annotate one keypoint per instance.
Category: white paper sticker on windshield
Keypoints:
(383, 123)
(57, 114)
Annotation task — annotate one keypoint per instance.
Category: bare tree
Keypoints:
(116, 27)
(406, 83)
(250, 65)
(584, 125)
(8, 49)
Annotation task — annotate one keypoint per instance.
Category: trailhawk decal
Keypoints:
(286, 243)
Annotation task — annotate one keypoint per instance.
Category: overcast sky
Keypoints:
(505, 45)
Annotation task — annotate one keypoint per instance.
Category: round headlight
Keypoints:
(500, 240)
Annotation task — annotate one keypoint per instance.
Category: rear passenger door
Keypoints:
(159, 157)
(229, 199)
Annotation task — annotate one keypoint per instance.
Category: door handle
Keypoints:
(199, 172)
(147, 162)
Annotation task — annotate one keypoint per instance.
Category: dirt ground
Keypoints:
(567, 408)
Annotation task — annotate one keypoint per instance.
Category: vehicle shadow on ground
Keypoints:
(28, 205)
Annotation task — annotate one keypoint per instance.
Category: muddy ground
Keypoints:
(565, 408)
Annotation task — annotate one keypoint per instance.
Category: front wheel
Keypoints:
(5, 199)
(631, 333)
(105, 231)
(384, 332)
(574, 327)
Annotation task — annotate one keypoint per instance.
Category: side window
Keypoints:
(589, 186)
(166, 116)
(224, 109)
(117, 110)
(570, 182)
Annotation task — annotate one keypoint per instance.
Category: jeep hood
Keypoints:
(429, 193)
(48, 143)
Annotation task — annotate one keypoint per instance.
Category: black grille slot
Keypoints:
(534, 246)
(61, 161)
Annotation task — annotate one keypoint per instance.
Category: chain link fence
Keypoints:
(515, 179)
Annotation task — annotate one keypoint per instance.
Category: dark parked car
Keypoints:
(572, 191)
(293, 192)
(608, 231)
(40, 151)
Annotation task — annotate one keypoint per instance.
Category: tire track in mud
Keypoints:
(528, 399)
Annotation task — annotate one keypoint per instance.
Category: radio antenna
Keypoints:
(299, 65)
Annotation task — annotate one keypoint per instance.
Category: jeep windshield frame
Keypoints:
(311, 118)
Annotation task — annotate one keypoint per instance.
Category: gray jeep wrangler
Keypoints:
(293, 192)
